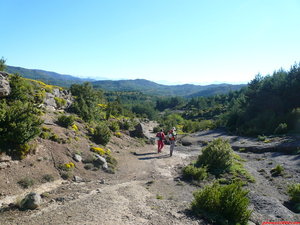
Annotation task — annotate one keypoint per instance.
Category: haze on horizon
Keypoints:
(168, 41)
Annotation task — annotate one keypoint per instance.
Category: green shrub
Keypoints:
(22, 151)
(111, 161)
(65, 121)
(88, 166)
(66, 175)
(261, 137)
(224, 205)
(281, 129)
(47, 178)
(19, 123)
(26, 182)
(114, 126)
(60, 102)
(87, 98)
(191, 172)
(55, 138)
(125, 125)
(156, 129)
(45, 135)
(294, 194)
(216, 156)
(277, 171)
(102, 134)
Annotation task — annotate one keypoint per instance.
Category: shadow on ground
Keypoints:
(155, 157)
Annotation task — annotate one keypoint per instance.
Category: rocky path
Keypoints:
(146, 189)
(143, 191)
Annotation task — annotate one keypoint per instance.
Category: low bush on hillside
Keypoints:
(26, 182)
(86, 101)
(60, 102)
(224, 205)
(102, 134)
(100, 151)
(294, 194)
(216, 156)
(114, 125)
(277, 171)
(218, 159)
(19, 123)
(65, 121)
(47, 178)
(191, 172)
(194, 126)
(125, 124)
(281, 129)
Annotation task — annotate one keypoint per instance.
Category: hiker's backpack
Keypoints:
(158, 135)
(171, 135)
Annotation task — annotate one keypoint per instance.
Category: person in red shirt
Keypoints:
(160, 142)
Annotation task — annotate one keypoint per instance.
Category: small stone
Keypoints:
(102, 181)
(60, 199)
(77, 158)
(40, 159)
(3, 165)
(77, 179)
(105, 166)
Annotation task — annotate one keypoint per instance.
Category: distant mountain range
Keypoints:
(152, 88)
(137, 85)
(47, 76)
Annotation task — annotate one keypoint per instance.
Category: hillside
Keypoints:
(47, 76)
(137, 85)
(152, 88)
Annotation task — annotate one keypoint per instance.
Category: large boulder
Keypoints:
(139, 131)
(31, 201)
(144, 130)
(50, 102)
(4, 84)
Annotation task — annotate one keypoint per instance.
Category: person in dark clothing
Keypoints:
(160, 142)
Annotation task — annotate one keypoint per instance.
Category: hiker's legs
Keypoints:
(172, 145)
(160, 146)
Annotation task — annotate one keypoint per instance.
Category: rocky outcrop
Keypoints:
(102, 161)
(51, 104)
(31, 201)
(4, 84)
(144, 130)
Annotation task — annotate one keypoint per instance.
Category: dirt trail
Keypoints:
(146, 189)
(143, 191)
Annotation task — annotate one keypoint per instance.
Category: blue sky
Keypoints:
(176, 41)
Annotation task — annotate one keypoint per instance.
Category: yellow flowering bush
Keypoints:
(74, 127)
(118, 134)
(91, 131)
(100, 151)
(67, 166)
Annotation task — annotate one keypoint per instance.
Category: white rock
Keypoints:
(31, 201)
(77, 158)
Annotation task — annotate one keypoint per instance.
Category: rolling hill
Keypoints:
(137, 85)
(152, 88)
(47, 76)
